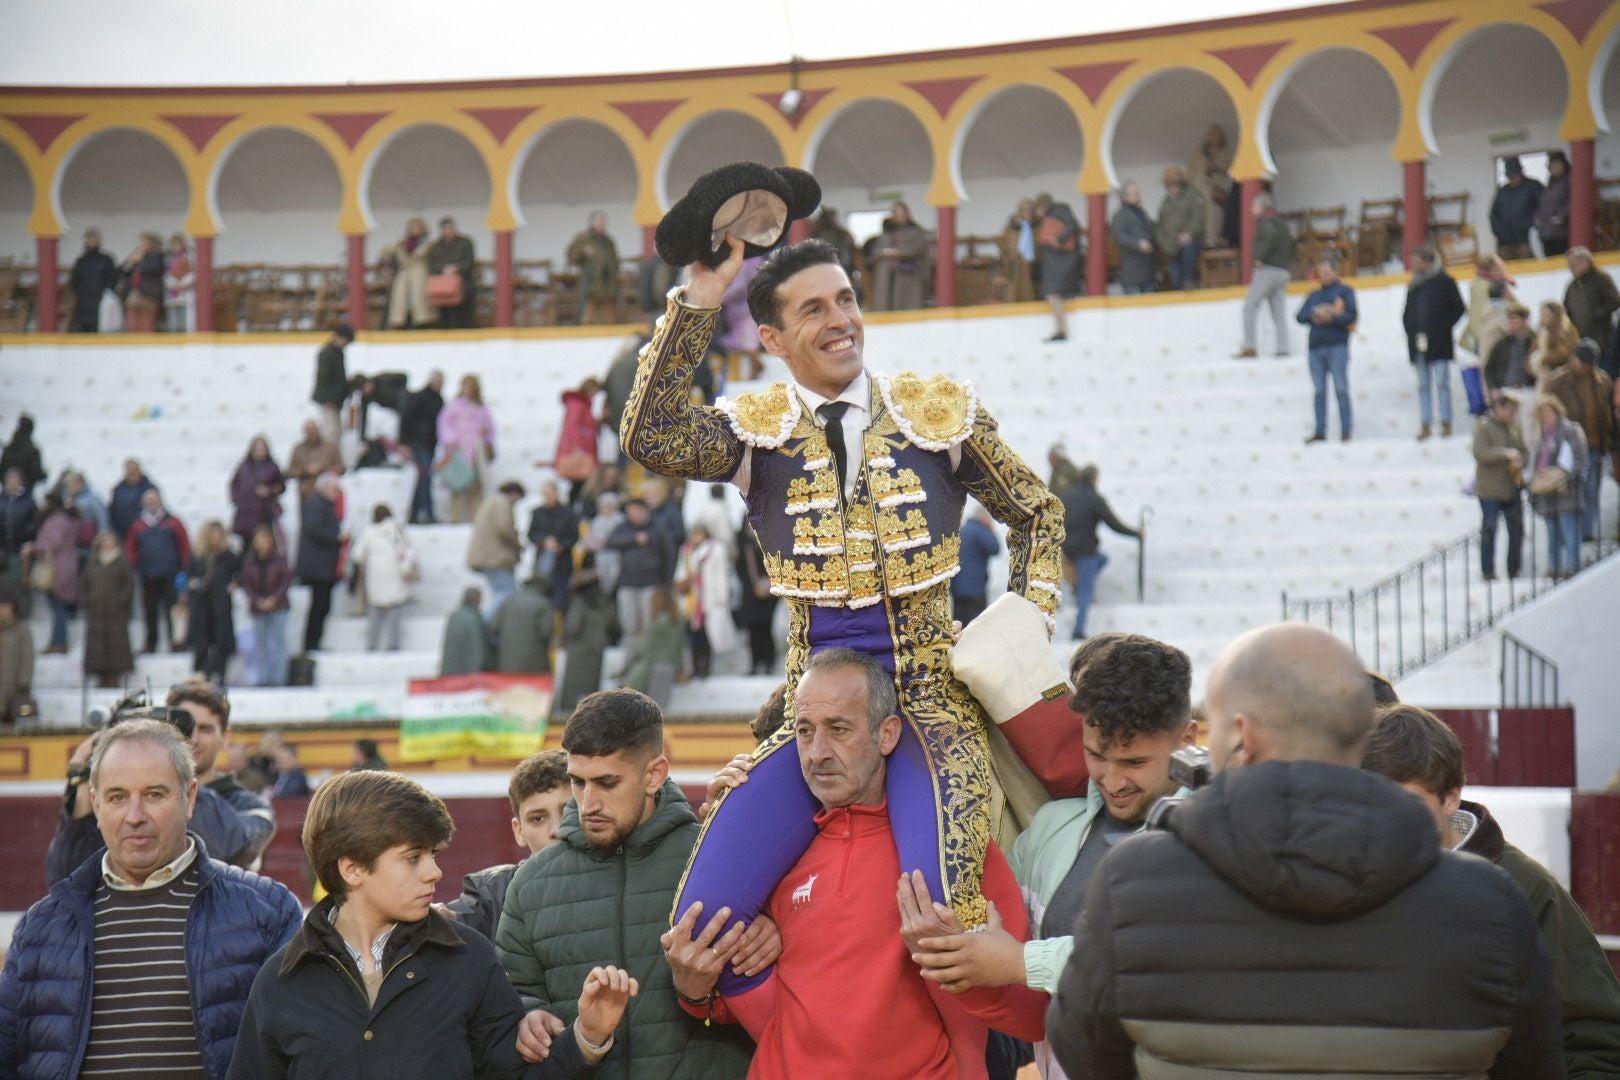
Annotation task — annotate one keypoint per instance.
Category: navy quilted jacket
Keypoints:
(236, 922)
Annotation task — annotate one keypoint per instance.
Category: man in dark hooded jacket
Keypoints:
(1297, 916)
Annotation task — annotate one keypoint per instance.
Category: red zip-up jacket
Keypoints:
(845, 999)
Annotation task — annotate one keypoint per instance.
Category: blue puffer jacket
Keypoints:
(236, 922)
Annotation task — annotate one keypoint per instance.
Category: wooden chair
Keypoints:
(981, 273)
(1606, 214)
(1378, 234)
(1218, 267)
(1448, 214)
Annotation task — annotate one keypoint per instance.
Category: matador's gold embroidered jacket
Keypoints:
(871, 571)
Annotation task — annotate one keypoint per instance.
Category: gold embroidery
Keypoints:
(662, 429)
(766, 415)
(818, 491)
(817, 536)
(936, 412)
(892, 489)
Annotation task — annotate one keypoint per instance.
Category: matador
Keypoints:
(855, 483)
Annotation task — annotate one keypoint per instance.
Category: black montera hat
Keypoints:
(747, 200)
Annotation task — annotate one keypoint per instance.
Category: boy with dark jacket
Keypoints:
(377, 983)
(539, 793)
(1412, 747)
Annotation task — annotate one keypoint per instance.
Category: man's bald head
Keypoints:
(1288, 692)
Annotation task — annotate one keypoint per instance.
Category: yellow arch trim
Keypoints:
(225, 141)
(369, 148)
(941, 188)
(1439, 54)
(54, 164)
(1281, 69)
(965, 113)
(521, 142)
(1599, 40)
(42, 219)
(1129, 82)
(679, 123)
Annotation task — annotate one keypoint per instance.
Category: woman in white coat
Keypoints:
(390, 567)
(704, 582)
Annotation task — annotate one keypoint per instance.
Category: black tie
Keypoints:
(832, 414)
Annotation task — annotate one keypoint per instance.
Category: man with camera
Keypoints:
(139, 964)
(1297, 916)
(1133, 697)
(236, 824)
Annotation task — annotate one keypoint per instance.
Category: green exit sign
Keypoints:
(1508, 138)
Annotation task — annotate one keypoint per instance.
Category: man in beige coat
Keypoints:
(495, 547)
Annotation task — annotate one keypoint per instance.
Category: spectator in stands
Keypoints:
(1450, 945)
(520, 632)
(1490, 294)
(665, 511)
(291, 780)
(716, 518)
(554, 531)
(53, 566)
(653, 660)
(1133, 697)
(332, 382)
(210, 580)
(1209, 174)
(1507, 365)
(265, 578)
(646, 561)
(739, 333)
(1560, 463)
(628, 835)
(970, 587)
(1591, 300)
(1133, 235)
(1412, 747)
(1084, 509)
(575, 460)
(94, 276)
(1552, 209)
(388, 565)
(1513, 211)
(18, 517)
(703, 578)
(829, 228)
(310, 458)
(1433, 306)
(142, 285)
(407, 265)
(900, 263)
(756, 606)
(466, 641)
(1556, 338)
(179, 285)
(539, 793)
(16, 662)
(124, 507)
(83, 992)
(861, 1008)
(589, 627)
(21, 454)
(77, 494)
(1018, 255)
(620, 377)
(365, 757)
(320, 544)
(106, 591)
(494, 549)
(608, 516)
(1330, 313)
(1273, 266)
(653, 283)
(1588, 397)
(466, 430)
(1057, 241)
(1181, 228)
(595, 258)
(1500, 455)
(419, 432)
(210, 713)
(372, 838)
(158, 548)
(256, 489)
(453, 253)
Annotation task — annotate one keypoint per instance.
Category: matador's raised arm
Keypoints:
(1017, 498)
(662, 429)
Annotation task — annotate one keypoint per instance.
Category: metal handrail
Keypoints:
(1143, 515)
(1442, 590)
(1528, 672)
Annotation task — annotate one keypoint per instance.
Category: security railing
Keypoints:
(1529, 679)
(1436, 603)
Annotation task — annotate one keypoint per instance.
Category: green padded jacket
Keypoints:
(572, 907)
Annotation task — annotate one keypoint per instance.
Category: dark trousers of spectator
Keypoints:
(422, 497)
(967, 608)
(320, 603)
(761, 649)
(1510, 512)
(459, 317)
(702, 652)
(1554, 245)
(1184, 265)
(157, 598)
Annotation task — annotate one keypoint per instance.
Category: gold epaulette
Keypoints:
(935, 413)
